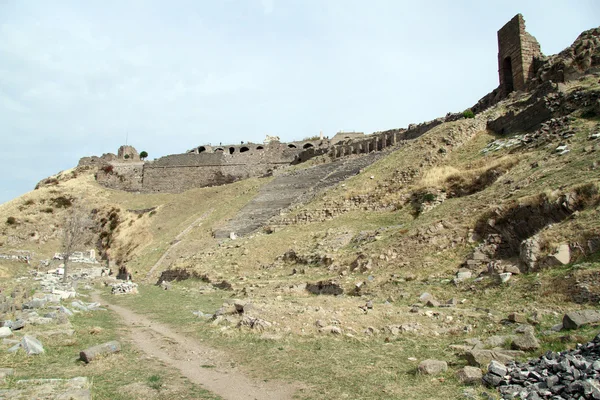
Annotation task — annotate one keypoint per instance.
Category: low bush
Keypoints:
(468, 113)
(11, 221)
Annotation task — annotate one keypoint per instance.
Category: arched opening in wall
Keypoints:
(370, 147)
(508, 75)
(259, 147)
(307, 145)
(292, 146)
(244, 149)
(231, 150)
(388, 140)
(354, 149)
(219, 150)
(380, 145)
(201, 149)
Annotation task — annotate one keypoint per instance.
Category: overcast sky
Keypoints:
(79, 77)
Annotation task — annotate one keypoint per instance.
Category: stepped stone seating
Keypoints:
(296, 187)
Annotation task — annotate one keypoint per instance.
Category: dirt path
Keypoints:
(201, 364)
(176, 242)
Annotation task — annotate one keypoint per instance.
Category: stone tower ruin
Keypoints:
(517, 50)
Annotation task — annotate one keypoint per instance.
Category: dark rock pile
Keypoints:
(572, 374)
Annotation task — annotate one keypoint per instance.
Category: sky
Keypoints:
(80, 78)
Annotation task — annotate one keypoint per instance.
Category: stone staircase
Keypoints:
(293, 188)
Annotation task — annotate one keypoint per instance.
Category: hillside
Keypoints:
(450, 242)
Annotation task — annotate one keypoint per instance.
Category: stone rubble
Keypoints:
(571, 374)
(126, 287)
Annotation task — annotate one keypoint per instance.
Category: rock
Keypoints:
(425, 297)
(325, 287)
(577, 319)
(18, 324)
(525, 342)
(497, 368)
(31, 345)
(504, 277)
(562, 256)
(530, 250)
(125, 287)
(463, 274)
(5, 332)
(254, 323)
(513, 269)
(432, 367)
(91, 353)
(518, 318)
(469, 375)
(481, 358)
(432, 303)
(331, 329)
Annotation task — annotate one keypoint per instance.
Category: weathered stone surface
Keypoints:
(325, 287)
(432, 367)
(5, 332)
(469, 375)
(525, 342)
(577, 319)
(31, 345)
(497, 368)
(571, 374)
(92, 353)
(481, 358)
(336, 330)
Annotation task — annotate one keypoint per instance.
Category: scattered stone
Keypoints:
(469, 375)
(504, 277)
(432, 303)
(91, 353)
(336, 330)
(517, 318)
(481, 358)
(577, 319)
(432, 367)
(5, 332)
(425, 297)
(125, 287)
(462, 275)
(31, 345)
(497, 368)
(253, 323)
(571, 374)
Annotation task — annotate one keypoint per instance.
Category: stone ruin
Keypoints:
(521, 68)
(517, 52)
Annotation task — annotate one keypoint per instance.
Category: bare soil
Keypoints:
(201, 364)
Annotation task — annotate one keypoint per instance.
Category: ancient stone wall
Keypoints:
(517, 50)
(122, 176)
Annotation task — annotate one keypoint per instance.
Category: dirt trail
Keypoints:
(176, 242)
(201, 364)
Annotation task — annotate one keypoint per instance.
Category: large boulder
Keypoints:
(577, 319)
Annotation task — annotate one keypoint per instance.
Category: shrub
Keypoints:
(126, 156)
(29, 202)
(108, 169)
(143, 154)
(11, 221)
(62, 202)
(48, 210)
(468, 113)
